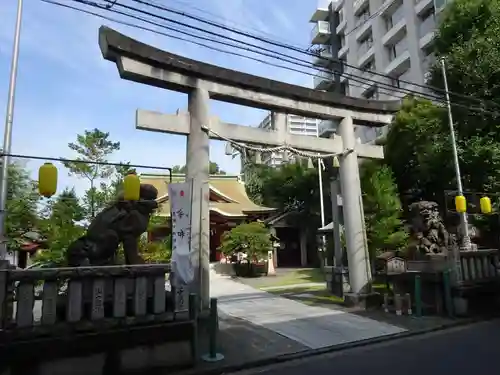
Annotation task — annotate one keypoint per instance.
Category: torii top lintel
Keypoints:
(146, 64)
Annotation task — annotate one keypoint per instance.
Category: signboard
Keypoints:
(180, 196)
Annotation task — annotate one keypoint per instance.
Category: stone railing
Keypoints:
(85, 298)
(479, 266)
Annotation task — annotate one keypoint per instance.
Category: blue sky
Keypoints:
(65, 86)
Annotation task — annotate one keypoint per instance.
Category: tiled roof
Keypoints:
(232, 199)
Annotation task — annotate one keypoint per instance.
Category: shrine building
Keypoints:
(229, 206)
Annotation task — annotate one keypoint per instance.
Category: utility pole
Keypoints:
(7, 138)
(466, 244)
(321, 202)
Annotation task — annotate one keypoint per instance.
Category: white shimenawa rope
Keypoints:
(285, 147)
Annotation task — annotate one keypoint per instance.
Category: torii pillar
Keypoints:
(197, 163)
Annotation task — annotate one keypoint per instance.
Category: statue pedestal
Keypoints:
(362, 300)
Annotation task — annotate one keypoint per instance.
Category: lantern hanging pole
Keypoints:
(7, 138)
(466, 244)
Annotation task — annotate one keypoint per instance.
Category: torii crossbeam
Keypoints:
(148, 65)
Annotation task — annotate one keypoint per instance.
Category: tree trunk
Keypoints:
(92, 202)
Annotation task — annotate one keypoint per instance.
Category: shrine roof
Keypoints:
(228, 196)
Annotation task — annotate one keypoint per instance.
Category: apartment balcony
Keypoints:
(395, 34)
(426, 41)
(390, 7)
(320, 32)
(398, 65)
(343, 52)
(422, 6)
(365, 28)
(338, 5)
(323, 81)
(365, 53)
(359, 5)
(323, 58)
(341, 27)
(370, 81)
(320, 14)
(426, 32)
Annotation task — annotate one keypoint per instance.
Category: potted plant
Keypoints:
(248, 244)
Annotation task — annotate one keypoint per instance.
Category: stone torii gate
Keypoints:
(145, 64)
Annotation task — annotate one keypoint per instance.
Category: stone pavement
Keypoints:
(312, 326)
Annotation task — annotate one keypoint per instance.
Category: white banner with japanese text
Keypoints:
(180, 196)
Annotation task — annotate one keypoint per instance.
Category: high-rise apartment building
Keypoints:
(373, 49)
(295, 125)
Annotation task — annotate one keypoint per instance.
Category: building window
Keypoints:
(388, 23)
(438, 4)
(397, 49)
(428, 13)
(391, 51)
(341, 15)
(365, 44)
(370, 65)
(364, 16)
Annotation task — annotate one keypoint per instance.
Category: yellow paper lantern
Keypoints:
(336, 163)
(47, 180)
(131, 187)
(485, 204)
(460, 203)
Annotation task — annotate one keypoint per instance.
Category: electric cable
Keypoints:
(282, 45)
(348, 75)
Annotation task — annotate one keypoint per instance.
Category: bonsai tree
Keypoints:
(252, 239)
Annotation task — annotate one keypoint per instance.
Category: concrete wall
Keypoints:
(169, 354)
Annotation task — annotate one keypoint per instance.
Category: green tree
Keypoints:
(254, 239)
(418, 150)
(59, 226)
(179, 169)
(96, 147)
(291, 186)
(21, 205)
(385, 230)
(213, 168)
(66, 208)
(468, 38)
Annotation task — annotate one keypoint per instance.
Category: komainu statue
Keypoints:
(428, 232)
(122, 222)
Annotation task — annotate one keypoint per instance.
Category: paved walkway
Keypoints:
(292, 286)
(312, 326)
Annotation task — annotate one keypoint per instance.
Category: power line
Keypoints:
(64, 160)
(232, 53)
(224, 19)
(91, 3)
(282, 45)
(300, 62)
